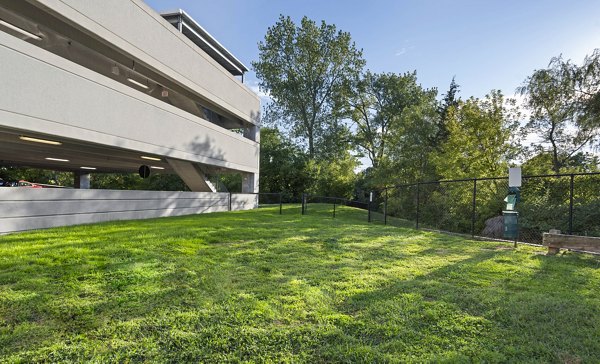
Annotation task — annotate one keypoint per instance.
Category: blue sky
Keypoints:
(485, 44)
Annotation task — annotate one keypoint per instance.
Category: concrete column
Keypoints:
(249, 183)
(252, 133)
(250, 180)
(82, 180)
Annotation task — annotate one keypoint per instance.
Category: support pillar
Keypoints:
(252, 133)
(82, 180)
(249, 182)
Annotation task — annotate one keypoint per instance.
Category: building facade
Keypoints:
(111, 85)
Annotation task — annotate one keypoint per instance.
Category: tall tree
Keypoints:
(561, 99)
(588, 89)
(479, 138)
(306, 70)
(450, 100)
(379, 106)
(408, 158)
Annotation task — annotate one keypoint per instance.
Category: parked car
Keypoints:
(8, 183)
(26, 184)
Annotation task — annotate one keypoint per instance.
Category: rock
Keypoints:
(494, 227)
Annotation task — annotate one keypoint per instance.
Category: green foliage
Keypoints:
(255, 286)
(561, 99)
(579, 163)
(449, 100)
(409, 156)
(478, 144)
(395, 122)
(112, 181)
(283, 166)
(37, 176)
(232, 182)
(333, 177)
(545, 205)
(313, 74)
(379, 107)
(479, 139)
(587, 89)
(306, 69)
(131, 181)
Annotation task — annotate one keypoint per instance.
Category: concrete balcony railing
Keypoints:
(134, 28)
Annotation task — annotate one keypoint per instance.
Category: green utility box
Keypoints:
(511, 224)
(511, 202)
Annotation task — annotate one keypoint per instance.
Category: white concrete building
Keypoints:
(108, 86)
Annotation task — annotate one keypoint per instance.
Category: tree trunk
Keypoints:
(311, 146)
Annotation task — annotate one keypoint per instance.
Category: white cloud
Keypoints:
(406, 47)
(265, 96)
(402, 51)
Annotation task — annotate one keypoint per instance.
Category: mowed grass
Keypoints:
(255, 286)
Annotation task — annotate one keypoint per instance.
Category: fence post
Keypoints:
(474, 207)
(418, 188)
(229, 201)
(334, 208)
(571, 204)
(369, 206)
(303, 202)
(280, 202)
(385, 207)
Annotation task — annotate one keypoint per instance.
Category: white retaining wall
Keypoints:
(29, 209)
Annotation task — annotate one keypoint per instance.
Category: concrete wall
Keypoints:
(30, 209)
(136, 29)
(44, 93)
(244, 201)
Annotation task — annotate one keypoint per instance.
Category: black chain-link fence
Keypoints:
(476, 207)
(334, 206)
(265, 199)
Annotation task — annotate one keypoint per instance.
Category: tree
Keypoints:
(333, 177)
(479, 138)
(283, 166)
(450, 100)
(578, 163)
(380, 105)
(408, 158)
(306, 70)
(562, 101)
(588, 89)
(479, 144)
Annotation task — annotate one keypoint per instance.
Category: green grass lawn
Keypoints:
(256, 286)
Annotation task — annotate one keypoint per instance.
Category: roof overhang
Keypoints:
(191, 29)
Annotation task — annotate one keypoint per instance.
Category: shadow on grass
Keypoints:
(495, 306)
